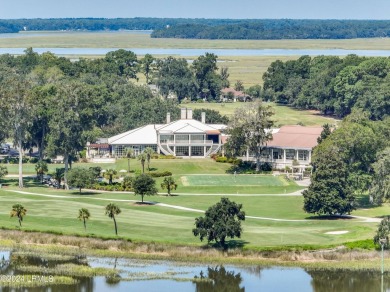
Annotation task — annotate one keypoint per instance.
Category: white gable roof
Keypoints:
(186, 126)
(144, 135)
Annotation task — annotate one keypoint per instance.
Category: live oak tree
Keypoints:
(16, 109)
(148, 66)
(80, 177)
(380, 188)
(70, 120)
(220, 221)
(144, 185)
(383, 232)
(330, 192)
(250, 129)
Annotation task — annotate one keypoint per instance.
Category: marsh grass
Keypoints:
(70, 270)
(331, 258)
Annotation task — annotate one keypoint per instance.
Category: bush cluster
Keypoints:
(115, 186)
(167, 157)
(160, 174)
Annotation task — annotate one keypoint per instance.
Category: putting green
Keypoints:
(233, 180)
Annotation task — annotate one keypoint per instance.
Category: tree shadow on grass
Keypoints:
(145, 203)
(87, 193)
(330, 217)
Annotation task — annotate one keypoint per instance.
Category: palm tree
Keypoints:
(111, 211)
(58, 175)
(149, 152)
(129, 154)
(142, 157)
(18, 211)
(169, 184)
(109, 173)
(84, 215)
(41, 168)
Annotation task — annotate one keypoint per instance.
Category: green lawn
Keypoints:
(166, 224)
(284, 115)
(232, 180)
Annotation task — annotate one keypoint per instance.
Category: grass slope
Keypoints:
(284, 115)
(165, 224)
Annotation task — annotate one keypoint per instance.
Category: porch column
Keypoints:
(284, 156)
(309, 156)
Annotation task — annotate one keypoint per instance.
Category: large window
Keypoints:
(166, 138)
(197, 151)
(266, 153)
(277, 154)
(121, 150)
(197, 138)
(182, 139)
(290, 154)
(303, 154)
(182, 151)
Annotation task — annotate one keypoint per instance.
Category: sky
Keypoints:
(295, 9)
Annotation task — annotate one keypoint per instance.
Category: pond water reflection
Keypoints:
(110, 274)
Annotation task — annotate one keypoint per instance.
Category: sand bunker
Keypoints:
(337, 232)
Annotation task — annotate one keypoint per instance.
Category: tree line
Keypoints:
(58, 105)
(332, 85)
(263, 29)
(98, 24)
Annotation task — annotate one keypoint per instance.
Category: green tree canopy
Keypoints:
(249, 129)
(329, 192)
(380, 188)
(80, 177)
(383, 232)
(220, 221)
(144, 185)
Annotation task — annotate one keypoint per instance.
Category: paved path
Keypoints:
(363, 219)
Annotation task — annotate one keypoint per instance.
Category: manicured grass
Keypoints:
(164, 224)
(284, 115)
(232, 180)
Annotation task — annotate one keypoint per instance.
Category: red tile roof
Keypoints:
(295, 137)
(102, 146)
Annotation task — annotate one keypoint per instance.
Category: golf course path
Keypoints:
(363, 219)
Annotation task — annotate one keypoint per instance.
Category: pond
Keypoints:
(26, 271)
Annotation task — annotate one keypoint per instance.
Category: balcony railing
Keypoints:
(181, 142)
